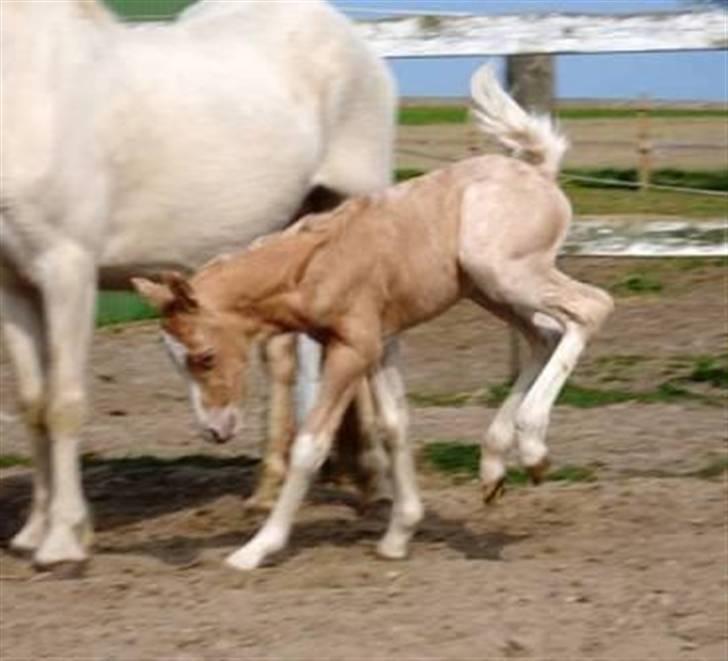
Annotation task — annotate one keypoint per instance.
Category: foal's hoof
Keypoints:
(537, 472)
(66, 570)
(494, 492)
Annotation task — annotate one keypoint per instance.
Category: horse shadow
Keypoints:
(133, 490)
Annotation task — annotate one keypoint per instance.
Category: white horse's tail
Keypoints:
(532, 138)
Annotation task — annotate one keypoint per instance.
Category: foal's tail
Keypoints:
(532, 138)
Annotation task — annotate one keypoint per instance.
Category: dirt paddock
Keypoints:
(631, 565)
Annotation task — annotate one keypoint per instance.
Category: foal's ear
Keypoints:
(157, 295)
(181, 290)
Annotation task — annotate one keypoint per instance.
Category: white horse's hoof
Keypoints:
(392, 549)
(63, 546)
(29, 538)
(245, 559)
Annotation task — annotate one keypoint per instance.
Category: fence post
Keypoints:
(530, 79)
(644, 144)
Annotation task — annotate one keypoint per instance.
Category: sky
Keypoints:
(699, 75)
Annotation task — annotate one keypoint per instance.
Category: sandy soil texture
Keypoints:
(631, 565)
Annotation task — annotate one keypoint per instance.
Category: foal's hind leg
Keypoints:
(581, 310)
(501, 434)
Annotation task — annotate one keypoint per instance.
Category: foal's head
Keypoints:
(208, 346)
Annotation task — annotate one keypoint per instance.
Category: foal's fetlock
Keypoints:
(537, 472)
(492, 480)
(493, 491)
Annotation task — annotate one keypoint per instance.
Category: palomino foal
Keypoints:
(487, 228)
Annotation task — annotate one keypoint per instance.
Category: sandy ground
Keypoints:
(698, 143)
(630, 566)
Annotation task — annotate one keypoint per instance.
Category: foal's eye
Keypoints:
(202, 361)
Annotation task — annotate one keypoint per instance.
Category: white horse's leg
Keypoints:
(309, 375)
(280, 361)
(69, 292)
(23, 332)
(342, 369)
(407, 508)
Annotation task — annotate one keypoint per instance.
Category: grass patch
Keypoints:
(715, 180)
(424, 115)
(707, 370)
(618, 201)
(414, 115)
(578, 396)
(637, 283)
(463, 460)
(12, 460)
(122, 307)
(716, 468)
(631, 113)
(148, 9)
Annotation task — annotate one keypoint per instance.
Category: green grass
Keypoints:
(12, 460)
(583, 397)
(463, 459)
(707, 370)
(141, 9)
(714, 180)
(122, 307)
(714, 469)
(618, 202)
(637, 283)
(414, 115)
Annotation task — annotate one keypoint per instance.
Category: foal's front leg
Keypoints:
(343, 367)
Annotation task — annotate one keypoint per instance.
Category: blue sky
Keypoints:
(674, 76)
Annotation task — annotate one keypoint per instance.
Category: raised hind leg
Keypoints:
(501, 434)
(580, 309)
(534, 294)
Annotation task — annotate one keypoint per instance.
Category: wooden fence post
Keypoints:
(644, 144)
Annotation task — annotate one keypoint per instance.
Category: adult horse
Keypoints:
(128, 149)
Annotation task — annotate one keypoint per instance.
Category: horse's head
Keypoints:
(208, 346)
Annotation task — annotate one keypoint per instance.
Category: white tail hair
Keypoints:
(532, 138)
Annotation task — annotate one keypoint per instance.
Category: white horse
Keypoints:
(127, 149)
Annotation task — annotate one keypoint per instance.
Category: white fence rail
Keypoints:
(448, 36)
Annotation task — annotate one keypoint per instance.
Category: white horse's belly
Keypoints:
(193, 178)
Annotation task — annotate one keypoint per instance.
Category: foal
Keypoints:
(488, 228)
